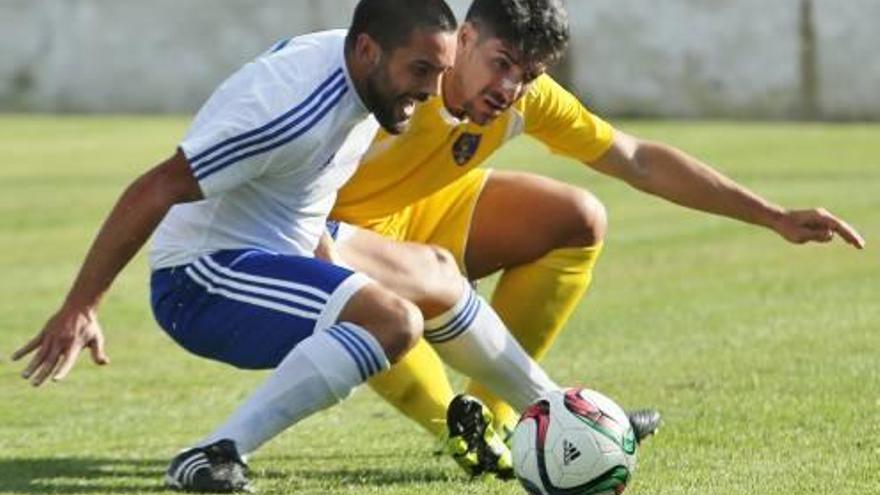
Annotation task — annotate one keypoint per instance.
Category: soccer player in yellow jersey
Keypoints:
(425, 187)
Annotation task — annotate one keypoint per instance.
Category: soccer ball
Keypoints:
(574, 442)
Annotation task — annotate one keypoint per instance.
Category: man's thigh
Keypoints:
(520, 217)
(250, 308)
(394, 251)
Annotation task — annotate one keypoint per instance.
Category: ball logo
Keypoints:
(465, 147)
(570, 453)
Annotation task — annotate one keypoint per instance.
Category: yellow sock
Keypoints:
(535, 301)
(418, 387)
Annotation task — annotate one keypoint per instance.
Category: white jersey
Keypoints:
(269, 149)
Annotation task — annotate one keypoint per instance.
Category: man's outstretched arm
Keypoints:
(669, 173)
(131, 222)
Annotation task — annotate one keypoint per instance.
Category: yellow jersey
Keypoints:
(437, 149)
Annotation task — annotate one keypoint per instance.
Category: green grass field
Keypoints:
(762, 356)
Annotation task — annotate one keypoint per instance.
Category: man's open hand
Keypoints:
(59, 343)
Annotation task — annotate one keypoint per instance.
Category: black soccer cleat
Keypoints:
(472, 442)
(645, 422)
(215, 468)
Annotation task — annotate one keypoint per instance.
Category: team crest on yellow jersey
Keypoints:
(465, 147)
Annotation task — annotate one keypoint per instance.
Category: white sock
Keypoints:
(319, 372)
(471, 338)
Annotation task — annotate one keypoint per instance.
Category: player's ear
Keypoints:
(468, 34)
(367, 50)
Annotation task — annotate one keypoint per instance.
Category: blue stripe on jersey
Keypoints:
(279, 285)
(225, 288)
(280, 45)
(311, 106)
(365, 346)
(332, 227)
(333, 77)
(341, 89)
(351, 352)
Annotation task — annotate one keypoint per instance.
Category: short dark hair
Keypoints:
(537, 28)
(391, 22)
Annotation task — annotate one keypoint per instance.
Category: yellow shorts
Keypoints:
(443, 219)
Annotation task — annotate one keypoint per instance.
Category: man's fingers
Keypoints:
(98, 354)
(67, 362)
(28, 348)
(36, 361)
(59, 345)
(847, 233)
(825, 225)
(46, 367)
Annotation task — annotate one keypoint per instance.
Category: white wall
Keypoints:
(728, 58)
(676, 58)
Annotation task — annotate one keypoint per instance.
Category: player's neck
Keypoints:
(451, 95)
(356, 73)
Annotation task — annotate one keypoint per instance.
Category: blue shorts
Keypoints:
(250, 308)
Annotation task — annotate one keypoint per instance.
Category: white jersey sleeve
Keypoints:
(237, 133)
(216, 144)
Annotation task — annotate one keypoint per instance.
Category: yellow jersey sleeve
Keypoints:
(558, 119)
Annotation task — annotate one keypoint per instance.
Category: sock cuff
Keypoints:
(456, 321)
(449, 314)
(571, 259)
(362, 347)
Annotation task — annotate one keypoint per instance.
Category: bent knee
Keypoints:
(437, 275)
(589, 220)
(443, 264)
(395, 322)
(405, 323)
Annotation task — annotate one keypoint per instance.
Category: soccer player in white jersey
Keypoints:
(238, 212)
